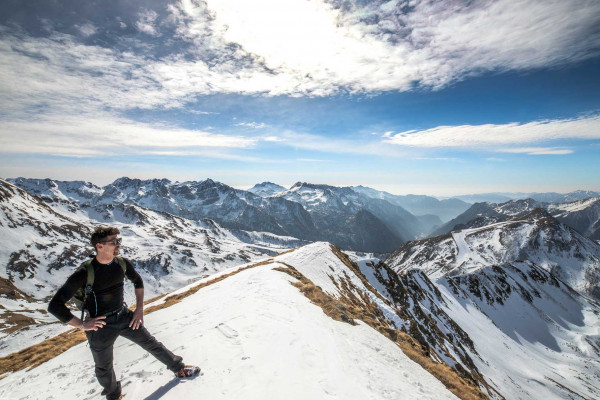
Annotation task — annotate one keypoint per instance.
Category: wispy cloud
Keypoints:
(147, 22)
(495, 136)
(538, 150)
(87, 29)
(272, 139)
(266, 47)
(84, 136)
(254, 125)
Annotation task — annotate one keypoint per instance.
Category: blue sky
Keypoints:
(430, 97)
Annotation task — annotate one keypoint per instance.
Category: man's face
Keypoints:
(108, 248)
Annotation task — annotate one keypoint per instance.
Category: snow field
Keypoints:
(255, 336)
(525, 348)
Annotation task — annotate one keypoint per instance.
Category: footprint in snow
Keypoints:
(227, 331)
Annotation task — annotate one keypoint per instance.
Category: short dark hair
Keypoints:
(101, 233)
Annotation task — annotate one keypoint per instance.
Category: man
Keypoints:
(108, 317)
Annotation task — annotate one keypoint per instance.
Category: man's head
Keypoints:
(105, 240)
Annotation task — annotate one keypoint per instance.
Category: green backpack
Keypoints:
(80, 296)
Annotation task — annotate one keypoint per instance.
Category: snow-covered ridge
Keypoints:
(536, 236)
(581, 215)
(237, 330)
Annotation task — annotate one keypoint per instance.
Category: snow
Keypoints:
(255, 336)
(523, 349)
(169, 252)
(573, 206)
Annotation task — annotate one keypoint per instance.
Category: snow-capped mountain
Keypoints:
(537, 237)
(581, 215)
(419, 205)
(309, 212)
(42, 247)
(266, 189)
(570, 197)
(51, 190)
(482, 214)
(333, 206)
(519, 290)
(230, 207)
(549, 197)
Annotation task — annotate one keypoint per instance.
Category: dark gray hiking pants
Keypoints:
(102, 341)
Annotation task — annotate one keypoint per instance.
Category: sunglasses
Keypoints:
(116, 241)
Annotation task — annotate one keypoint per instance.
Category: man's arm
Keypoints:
(58, 308)
(138, 284)
(138, 314)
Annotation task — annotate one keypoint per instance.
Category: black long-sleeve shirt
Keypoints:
(107, 289)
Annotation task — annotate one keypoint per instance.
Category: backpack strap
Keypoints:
(90, 272)
(122, 263)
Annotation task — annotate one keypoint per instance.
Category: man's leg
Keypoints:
(142, 337)
(101, 344)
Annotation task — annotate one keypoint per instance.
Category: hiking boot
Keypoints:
(189, 371)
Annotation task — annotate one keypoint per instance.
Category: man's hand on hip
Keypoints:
(93, 324)
(138, 318)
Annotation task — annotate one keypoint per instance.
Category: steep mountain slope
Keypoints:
(256, 335)
(581, 215)
(537, 237)
(524, 319)
(482, 214)
(534, 336)
(418, 204)
(41, 248)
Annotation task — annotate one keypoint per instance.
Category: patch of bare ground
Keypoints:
(14, 321)
(38, 354)
(35, 355)
(9, 290)
(349, 307)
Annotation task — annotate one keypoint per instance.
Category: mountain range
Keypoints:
(581, 215)
(504, 307)
(347, 218)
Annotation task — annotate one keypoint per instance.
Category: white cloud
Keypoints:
(87, 29)
(339, 145)
(490, 135)
(147, 22)
(537, 150)
(84, 136)
(254, 125)
(272, 139)
(295, 48)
